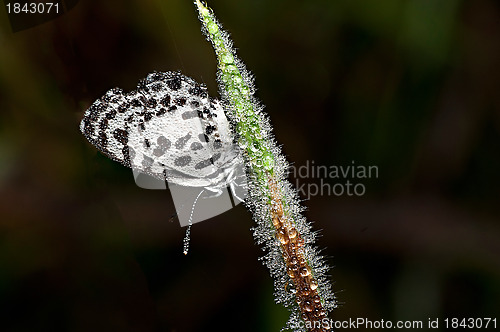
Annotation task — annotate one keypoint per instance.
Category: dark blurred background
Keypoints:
(409, 86)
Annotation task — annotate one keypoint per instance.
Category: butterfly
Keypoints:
(170, 129)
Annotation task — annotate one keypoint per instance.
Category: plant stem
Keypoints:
(299, 271)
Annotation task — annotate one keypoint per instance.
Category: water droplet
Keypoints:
(244, 90)
(313, 284)
(305, 291)
(307, 306)
(212, 28)
(257, 162)
(232, 69)
(289, 287)
(219, 43)
(292, 233)
(238, 80)
(282, 236)
(304, 272)
(243, 142)
(227, 58)
(319, 313)
(268, 162)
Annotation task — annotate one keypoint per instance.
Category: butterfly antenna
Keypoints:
(190, 223)
(170, 30)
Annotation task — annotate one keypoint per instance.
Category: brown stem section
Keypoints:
(298, 269)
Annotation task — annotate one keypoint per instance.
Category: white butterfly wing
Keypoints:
(168, 128)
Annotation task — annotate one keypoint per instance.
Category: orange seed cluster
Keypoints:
(298, 269)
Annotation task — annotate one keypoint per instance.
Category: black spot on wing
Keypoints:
(123, 107)
(111, 114)
(161, 111)
(207, 112)
(94, 111)
(196, 146)
(180, 101)
(181, 142)
(102, 142)
(199, 91)
(136, 102)
(210, 129)
(174, 83)
(217, 144)
(148, 116)
(88, 128)
(116, 99)
(195, 91)
(207, 162)
(202, 164)
(151, 103)
(165, 101)
(121, 136)
(189, 115)
(128, 155)
(182, 161)
(203, 138)
(215, 157)
(156, 87)
(163, 145)
(106, 98)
